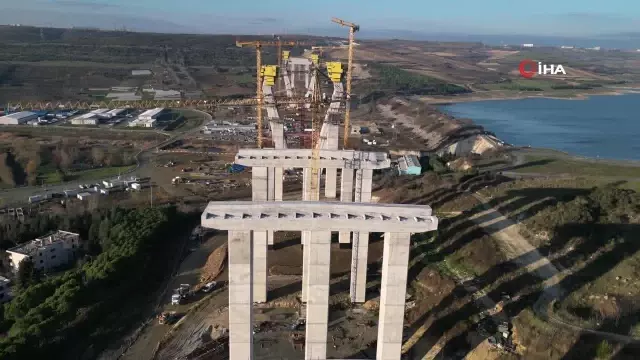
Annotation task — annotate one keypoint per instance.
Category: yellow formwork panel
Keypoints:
(286, 54)
(334, 66)
(315, 58)
(269, 81)
(269, 70)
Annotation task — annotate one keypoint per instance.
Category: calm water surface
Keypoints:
(601, 126)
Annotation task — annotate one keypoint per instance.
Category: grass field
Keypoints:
(549, 164)
(190, 119)
(56, 177)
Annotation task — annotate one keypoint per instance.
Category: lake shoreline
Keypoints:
(577, 96)
(523, 136)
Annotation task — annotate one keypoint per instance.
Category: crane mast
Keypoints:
(347, 113)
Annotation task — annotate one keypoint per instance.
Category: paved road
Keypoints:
(143, 157)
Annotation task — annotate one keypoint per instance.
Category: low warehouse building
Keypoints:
(18, 118)
(409, 165)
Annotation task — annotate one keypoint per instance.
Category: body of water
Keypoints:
(599, 127)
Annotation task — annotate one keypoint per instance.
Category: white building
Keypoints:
(18, 118)
(84, 195)
(527, 45)
(143, 123)
(85, 121)
(151, 114)
(47, 252)
(164, 94)
(91, 118)
(5, 294)
(113, 113)
(124, 96)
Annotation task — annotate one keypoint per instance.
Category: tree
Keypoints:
(27, 274)
(98, 155)
(32, 171)
(64, 159)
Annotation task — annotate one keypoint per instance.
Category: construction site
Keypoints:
(302, 263)
(280, 285)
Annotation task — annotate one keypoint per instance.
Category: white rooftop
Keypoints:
(151, 112)
(20, 115)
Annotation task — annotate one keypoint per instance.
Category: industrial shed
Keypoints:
(18, 118)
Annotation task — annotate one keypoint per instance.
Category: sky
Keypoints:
(530, 17)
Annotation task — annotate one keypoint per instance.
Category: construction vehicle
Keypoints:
(353, 28)
(167, 317)
(210, 286)
(176, 299)
(297, 339)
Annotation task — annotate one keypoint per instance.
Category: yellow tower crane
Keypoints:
(258, 45)
(352, 30)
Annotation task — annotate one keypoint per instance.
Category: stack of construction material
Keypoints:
(214, 266)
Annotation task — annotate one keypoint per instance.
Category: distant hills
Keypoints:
(133, 22)
(627, 41)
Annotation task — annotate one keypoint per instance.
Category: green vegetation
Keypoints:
(394, 80)
(549, 164)
(31, 162)
(437, 165)
(185, 120)
(604, 350)
(64, 316)
(98, 173)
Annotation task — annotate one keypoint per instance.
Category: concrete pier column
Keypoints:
(240, 296)
(318, 295)
(346, 195)
(359, 259)
(330, 183)
(364, 182)
(395, 263)
(306, 184)
(278, 178)
(271, 195)
(367, 184)
(260, 191)
(259, 184)
(260, 242)
(306, 255)
(307, 70)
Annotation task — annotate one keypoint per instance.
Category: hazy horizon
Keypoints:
(589, 22)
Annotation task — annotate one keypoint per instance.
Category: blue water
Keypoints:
(599, 127)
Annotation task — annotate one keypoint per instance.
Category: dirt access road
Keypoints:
(188, 273)
(517, 249)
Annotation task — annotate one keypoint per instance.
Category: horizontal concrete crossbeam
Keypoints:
(301, 158)
(318, 216)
